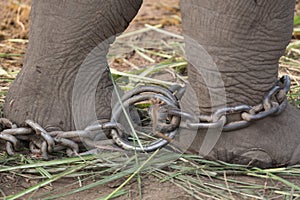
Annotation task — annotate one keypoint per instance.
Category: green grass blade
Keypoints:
(46, 182)
(48, 163)
(117, 194)
(296, 20)
(133, 175)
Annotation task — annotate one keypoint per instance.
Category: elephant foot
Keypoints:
(271, 142)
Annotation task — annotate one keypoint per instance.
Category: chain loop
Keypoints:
(254, 117)
(165, 114)
(49, 141)
(161, 98)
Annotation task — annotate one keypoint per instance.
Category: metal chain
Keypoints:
(274, 103)
(165, 113)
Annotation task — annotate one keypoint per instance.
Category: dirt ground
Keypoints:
(14, 25)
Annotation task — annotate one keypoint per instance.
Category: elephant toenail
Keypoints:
(254, 157)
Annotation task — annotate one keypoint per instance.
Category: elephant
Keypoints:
(243, 38)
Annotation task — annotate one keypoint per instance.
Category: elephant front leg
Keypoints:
(233, 48)
(64, 83)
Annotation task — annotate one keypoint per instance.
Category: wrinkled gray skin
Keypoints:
(245, 39)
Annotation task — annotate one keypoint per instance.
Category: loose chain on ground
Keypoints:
(164, 112)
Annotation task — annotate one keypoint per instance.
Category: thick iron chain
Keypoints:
(165, 112)
(274, 103)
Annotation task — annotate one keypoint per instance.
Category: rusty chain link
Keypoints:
(164, 111)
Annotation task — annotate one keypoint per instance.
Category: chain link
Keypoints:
(165, 114)
(274, 103)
